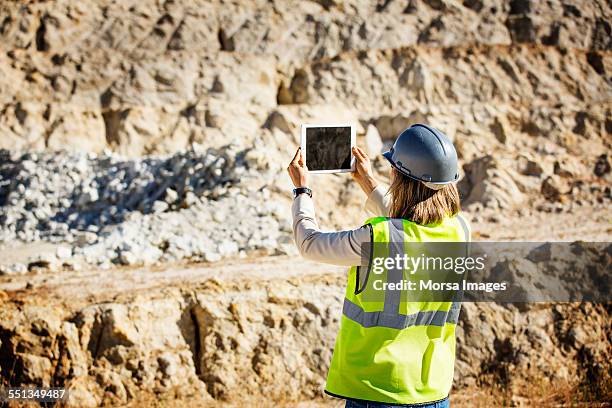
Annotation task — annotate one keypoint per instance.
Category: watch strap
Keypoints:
(300, 190)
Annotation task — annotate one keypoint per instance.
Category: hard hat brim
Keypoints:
(389, 156)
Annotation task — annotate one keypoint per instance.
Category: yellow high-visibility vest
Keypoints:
(394, 351)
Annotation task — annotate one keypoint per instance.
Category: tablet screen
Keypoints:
(328, 148)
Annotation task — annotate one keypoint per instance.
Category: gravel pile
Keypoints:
(197, 205)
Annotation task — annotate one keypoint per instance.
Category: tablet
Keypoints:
(327, 148)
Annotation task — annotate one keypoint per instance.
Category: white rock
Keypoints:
(14, 269)
(128, 258)
(212, 256)
(160, 206)
(373, 142)
(63, 252)
(219, 216)
(88, 196)
(151, 254)
(227, 248)
(84, 238)
(190, 199)
(171, 196)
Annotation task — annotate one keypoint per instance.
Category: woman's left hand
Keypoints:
(363, 174)
(297, 170)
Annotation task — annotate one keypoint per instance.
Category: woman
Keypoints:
(391, 351)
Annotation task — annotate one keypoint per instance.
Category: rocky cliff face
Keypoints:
(142, 77)
(228, 340)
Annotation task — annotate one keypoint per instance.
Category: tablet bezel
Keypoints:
(328, 125)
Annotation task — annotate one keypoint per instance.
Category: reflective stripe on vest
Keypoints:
(398, 320)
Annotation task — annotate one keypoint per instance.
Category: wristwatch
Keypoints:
(300, 190)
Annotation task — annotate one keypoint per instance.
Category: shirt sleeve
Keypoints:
(337, 248)
(379, 202)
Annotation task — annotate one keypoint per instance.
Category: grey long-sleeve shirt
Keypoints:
(339, 247)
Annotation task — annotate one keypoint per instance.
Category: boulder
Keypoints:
(554, 188)
(488, 182)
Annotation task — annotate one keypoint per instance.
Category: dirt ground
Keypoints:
(583, 224)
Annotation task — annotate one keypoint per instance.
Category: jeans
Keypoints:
(445, 403)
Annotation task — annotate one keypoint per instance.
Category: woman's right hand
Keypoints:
(363, 174)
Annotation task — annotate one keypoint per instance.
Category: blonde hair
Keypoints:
(414, 201)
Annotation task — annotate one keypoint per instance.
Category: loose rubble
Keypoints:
(197, 205)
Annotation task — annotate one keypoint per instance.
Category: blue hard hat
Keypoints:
(425, 154)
